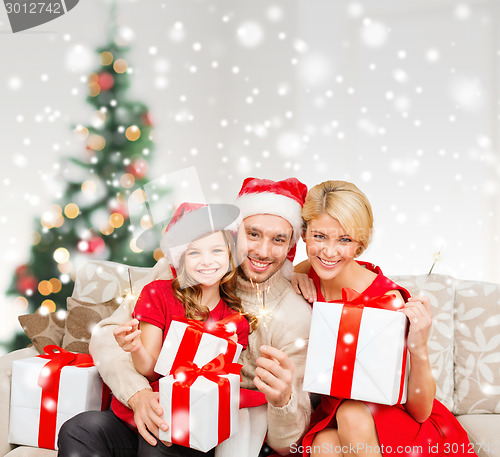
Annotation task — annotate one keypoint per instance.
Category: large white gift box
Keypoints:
(366, 360)
(199, 347)
(80, 389)
(205, 419)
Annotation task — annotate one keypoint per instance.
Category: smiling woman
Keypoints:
(339, 224)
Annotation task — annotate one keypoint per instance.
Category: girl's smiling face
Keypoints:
(329, 247)
(207, 259)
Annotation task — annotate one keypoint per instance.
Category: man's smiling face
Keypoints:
(263, 244)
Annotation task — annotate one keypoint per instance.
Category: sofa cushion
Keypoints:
(477, 348)
(44, 329)
(99, 281)
(441, 291)
(483, 433)
(81, 319)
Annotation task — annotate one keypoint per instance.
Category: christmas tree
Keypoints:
(91, 220)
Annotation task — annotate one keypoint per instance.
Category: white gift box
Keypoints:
(80, 389)
(203, 411)
(210, 347)
(381, 365)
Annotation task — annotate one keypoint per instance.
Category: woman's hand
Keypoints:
(304, 285)
(418, 311)
(128, 336)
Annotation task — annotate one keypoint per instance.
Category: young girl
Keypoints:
(201, 250)
(339, 224)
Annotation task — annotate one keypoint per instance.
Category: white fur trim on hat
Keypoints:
(274, 204)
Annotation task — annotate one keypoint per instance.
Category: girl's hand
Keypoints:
(418, 311)
(304, 285)
(234, 338)
(128, 336)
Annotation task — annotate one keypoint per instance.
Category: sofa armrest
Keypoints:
(5, 377)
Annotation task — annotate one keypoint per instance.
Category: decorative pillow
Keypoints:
(99, 281)
(81, 319)
(477, 348)
(44, 329)
(441, 291)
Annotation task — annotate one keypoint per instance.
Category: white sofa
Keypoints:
(464, 349)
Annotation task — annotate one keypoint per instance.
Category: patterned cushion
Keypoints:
(81, 319)
(477, 348)
(441, 291)
(44, 329)
(100, 281)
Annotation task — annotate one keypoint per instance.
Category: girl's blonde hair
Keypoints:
(345, 202)
(189, 291)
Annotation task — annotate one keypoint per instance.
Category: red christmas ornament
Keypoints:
(96, 245)
(120, 209)
(146, 119)
(138, 168)
(105, 80)
(25, 283)
(22, 270)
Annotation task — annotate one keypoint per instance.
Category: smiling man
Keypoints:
(273, 363)
(275, 359)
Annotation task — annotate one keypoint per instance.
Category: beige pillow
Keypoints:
(44, 329)
(81, 319)
(477, 348)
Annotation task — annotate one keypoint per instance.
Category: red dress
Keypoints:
(398, 433)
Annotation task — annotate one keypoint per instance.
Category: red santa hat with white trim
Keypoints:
(279, 198)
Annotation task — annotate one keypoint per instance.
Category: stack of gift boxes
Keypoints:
(200, 390)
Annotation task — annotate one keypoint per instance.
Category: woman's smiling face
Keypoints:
(329, 247)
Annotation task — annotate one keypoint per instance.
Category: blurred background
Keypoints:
(402, 98)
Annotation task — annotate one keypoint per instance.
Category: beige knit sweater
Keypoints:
(286, 327)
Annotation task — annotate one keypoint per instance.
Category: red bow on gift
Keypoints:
(225, 328)
(185, 375)
(350, 321)
(192, 337)
(352, 298)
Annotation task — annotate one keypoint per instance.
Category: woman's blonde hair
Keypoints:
(189, 291)
(345, 202)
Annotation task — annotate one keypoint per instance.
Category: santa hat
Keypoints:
(192, 221)
(279, 198)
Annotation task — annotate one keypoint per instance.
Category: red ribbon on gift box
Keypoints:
(185, 375)
(192, 337)
(345, 353)
(48, 380)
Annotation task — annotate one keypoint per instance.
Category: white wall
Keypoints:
(406, 106)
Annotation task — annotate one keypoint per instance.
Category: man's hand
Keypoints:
(147, 415)
(274, 376)
(128, 336)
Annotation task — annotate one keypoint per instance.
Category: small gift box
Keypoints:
(189, 340)
(45, 394)
(357, 349)
(201, 404)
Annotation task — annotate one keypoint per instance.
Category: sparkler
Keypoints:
(437, 255)
(264, 314)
